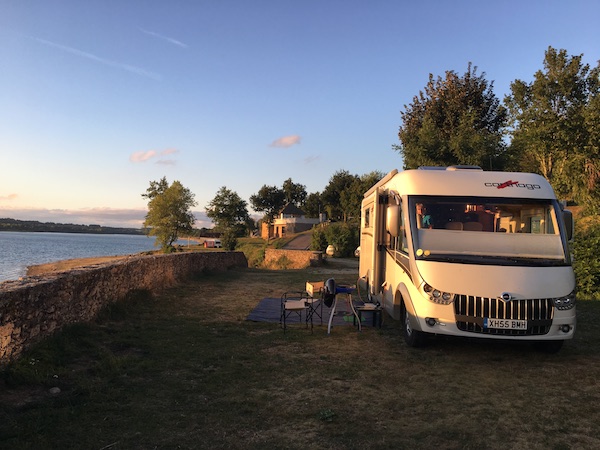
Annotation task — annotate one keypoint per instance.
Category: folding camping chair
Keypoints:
(314, 289)
(295, 303)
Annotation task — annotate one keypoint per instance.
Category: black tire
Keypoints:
(550, 347)
(413, 338)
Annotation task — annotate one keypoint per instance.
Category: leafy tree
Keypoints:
(455, 120)
(555, 126)
(169, 211)
(332, 194)
(156, 188)
(351, 197)
(269, 200)
(313, 206)
(228, 211)
(295, 193)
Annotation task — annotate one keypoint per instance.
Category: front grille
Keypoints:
(470, 312)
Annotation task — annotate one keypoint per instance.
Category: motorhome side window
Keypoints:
(367, 217)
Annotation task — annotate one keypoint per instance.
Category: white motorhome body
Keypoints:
(466, 252)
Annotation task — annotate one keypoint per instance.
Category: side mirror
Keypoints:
(392, 220)
(569, 223)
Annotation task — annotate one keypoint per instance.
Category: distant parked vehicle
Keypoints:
(212, 243)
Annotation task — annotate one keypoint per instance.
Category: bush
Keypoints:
(586, 248)
(319, 241)
(229, 239)
(343, 236)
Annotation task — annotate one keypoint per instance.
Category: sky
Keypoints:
(99, 98)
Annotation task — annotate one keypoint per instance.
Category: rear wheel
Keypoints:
(412, 337)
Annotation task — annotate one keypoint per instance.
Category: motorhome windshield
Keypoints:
(482, 230)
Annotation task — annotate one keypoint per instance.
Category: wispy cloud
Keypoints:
(142, 156)
(286, 141)
(311, 159)
(98, 59)
(8, 197)
(164, 38)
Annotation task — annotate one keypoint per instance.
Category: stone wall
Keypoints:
(34, 307)
(291, 259)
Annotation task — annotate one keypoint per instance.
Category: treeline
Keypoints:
(51, 227)
(547, 126)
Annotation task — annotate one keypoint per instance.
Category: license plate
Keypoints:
(504, 324)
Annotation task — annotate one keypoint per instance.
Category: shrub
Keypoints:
(319, 241)
(343, 236)
(586, 248)
(229, 239)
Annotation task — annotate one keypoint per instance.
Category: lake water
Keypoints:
(19, 250)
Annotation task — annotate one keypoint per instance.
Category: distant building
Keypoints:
(291, 219)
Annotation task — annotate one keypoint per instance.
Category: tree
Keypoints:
(295, 193)
(313, 205)
(169, 211)
(351, 197)
(269, 200)
(456, 120)
(555, 126)
(228, 211)
(332, 194)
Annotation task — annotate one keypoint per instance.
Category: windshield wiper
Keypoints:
(491, 260)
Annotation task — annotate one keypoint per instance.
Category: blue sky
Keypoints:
(101, 97)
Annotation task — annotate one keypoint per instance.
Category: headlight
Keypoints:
(565, 303)
(437, 296)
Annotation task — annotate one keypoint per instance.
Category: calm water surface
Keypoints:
(19, 250)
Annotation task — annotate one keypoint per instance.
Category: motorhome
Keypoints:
(465, 252)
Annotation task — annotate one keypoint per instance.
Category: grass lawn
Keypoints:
(184, 369)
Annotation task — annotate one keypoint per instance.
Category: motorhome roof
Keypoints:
(466, 182)
(457, 167)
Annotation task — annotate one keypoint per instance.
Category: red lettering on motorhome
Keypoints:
(507, 184)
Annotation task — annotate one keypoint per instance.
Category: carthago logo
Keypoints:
(511, 183)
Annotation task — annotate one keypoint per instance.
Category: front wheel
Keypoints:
(412, 337)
